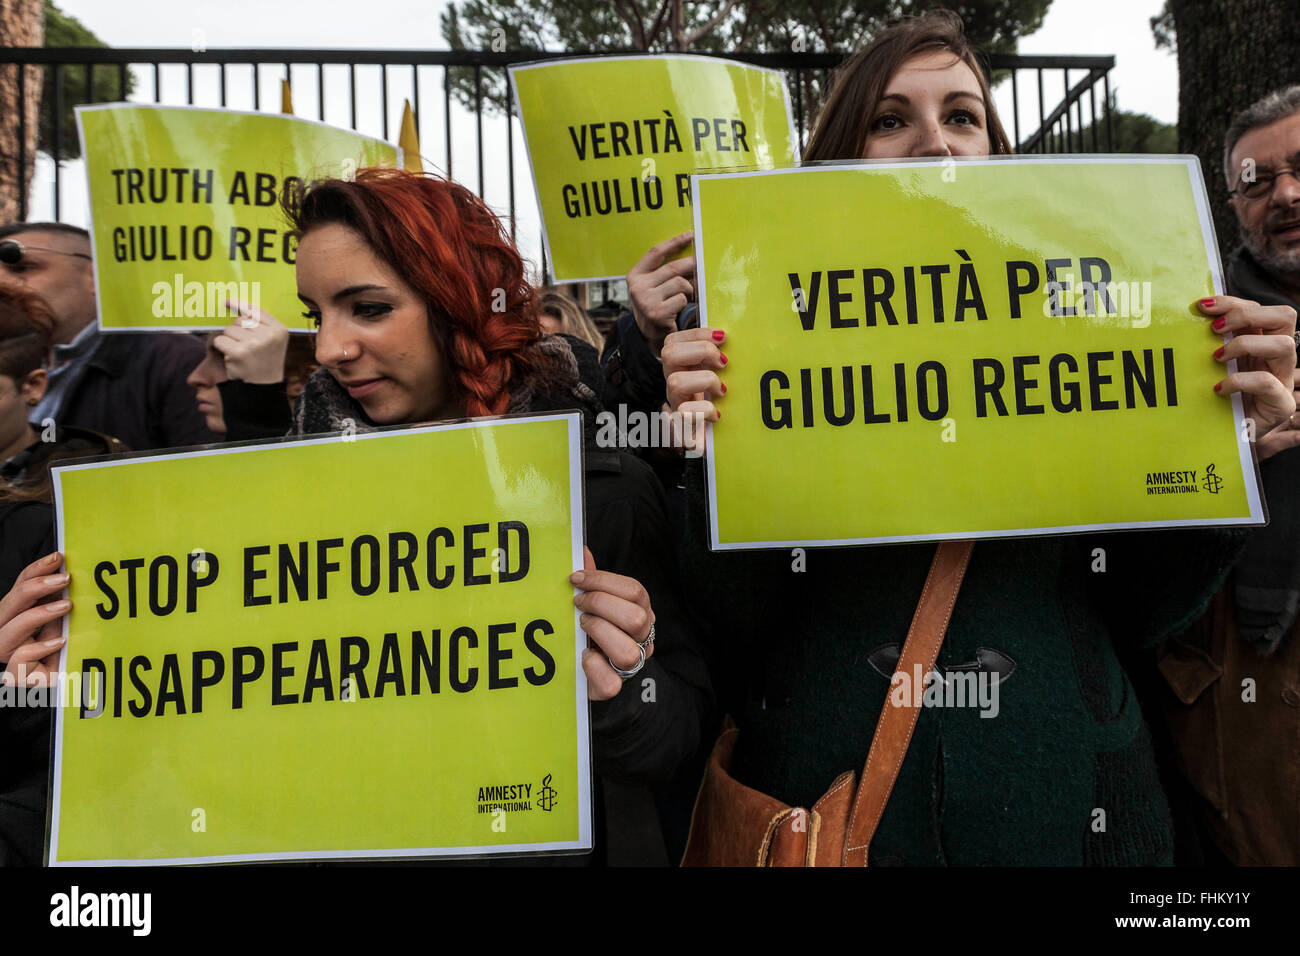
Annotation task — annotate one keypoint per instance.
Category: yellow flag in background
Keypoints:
(409, 140)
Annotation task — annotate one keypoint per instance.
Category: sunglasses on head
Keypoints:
(12, 252)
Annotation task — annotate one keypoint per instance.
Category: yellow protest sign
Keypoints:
(613, 141)
(185, 209)
(944, 349)
(383, 662)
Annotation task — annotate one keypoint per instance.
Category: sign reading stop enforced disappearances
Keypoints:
(613, 142)
(932, 350)
(185, 209)
(384, 663)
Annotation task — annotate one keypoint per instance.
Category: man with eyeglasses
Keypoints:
(1232, 697)
(130, 386)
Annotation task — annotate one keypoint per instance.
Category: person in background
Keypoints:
(129, 385)
(1231, 694)
(251, 374)
(557, 313)
(26, 532)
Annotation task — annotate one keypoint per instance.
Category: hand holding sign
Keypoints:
(1265, 362)
(659, 289)
(617, 617)
(691, 360)
(30, 623)
(253, 347)
(1286, 435)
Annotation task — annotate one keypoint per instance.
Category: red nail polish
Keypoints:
(719, 335)
(719, 418)
(1218, 324)
(1218, 353)
(1218, 386)
(1208, 303)
(723, 357)
(724, 388)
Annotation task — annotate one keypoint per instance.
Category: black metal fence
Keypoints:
(1060, 129)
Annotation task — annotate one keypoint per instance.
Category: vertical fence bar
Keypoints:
(257, 86)
(352, 91)
(510, 152)
(288, 78)
(58, 134)
(798, 108)
(1092, 108)
(189, 83)
(478, 118)
(222, 79)
(415, 98)
(157, 84)
(1015, 109)
(383, 96)
(59, 129)
(22, 141)
(1065, 114)
(1042, 140)
(446, 112)
(1110, 140)
(90, 84)
(320, 91)
(121, 82)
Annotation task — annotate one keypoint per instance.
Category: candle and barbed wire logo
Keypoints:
(546, 794)
(1212, 483)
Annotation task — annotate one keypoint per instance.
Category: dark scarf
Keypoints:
(1266, 583)
(326, 406)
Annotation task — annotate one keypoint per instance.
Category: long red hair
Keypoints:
(449, 247)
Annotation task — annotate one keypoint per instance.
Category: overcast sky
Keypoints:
(1145, 80)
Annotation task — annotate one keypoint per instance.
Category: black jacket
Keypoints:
(254, 411)
(133, 388)
(26, 533)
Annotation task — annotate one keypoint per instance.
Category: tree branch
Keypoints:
(659, 20)
(633, 18)
(704, 30)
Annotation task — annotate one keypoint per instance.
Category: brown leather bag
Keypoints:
(735, 825)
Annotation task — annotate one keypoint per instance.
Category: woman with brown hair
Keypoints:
(1063, 773)
(559, 314)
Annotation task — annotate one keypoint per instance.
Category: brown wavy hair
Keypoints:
(845, 119)
(447, 245)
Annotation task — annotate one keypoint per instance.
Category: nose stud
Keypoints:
(345, 353)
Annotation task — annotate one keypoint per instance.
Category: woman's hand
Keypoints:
(692, 359)
(254, 347)
(617, 617)
(30, 623)
(1263, 343)
(659, 289)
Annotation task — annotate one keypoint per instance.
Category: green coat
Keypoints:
(1063, 774)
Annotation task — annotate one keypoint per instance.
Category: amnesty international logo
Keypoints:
(1212, 482)
(547, 794)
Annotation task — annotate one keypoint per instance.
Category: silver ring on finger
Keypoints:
(625, 674)
(649, 641)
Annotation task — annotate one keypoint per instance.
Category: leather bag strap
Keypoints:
(894, 729)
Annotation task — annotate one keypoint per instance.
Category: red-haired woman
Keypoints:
(424, 315)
